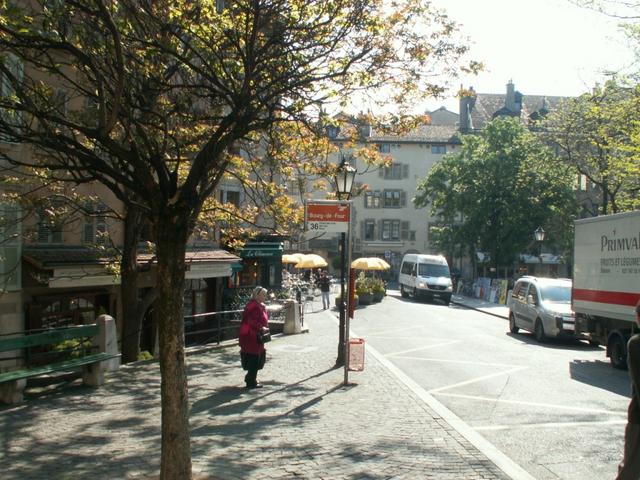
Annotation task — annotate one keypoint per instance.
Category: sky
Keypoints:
(546, 47)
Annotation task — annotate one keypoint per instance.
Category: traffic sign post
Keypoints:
(334, 216)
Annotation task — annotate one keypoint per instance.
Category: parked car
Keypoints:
(542, 306)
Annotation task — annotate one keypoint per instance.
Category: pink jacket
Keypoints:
(254, 318)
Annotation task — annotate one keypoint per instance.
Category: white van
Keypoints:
(425, 276)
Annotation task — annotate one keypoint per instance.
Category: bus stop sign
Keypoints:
(327, 216)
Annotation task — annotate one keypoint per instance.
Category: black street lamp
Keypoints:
(539, 236)
(345, 175)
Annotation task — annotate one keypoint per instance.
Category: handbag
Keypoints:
(264, 336)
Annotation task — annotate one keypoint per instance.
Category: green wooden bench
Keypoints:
(91, 362)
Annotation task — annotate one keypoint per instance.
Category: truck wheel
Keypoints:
(617, 354)
(403, 293)
(513, 328)
(539, 332)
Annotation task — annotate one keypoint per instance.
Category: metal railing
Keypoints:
(211, 327)
(216, 327)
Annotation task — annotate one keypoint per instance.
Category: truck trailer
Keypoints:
(606, 281)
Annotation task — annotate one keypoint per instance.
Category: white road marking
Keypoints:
(444, 360)
(477, 379)
(546, 406)
(426, 347)
(391, 331)
(553, 425)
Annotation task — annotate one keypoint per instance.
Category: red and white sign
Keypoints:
(327, 216)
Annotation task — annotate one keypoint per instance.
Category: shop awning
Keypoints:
(83, 266)
(545, 258)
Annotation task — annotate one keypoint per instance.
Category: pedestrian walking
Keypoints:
(255, 321)
(324, 284)
(629, 468)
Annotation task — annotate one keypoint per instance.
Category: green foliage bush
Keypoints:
(144, 355)
(73, 348)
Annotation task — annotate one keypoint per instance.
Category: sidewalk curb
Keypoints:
(478, 309)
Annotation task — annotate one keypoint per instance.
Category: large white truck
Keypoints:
(606, 281)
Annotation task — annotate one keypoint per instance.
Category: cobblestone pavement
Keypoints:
(303, 424)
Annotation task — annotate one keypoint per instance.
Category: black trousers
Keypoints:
(252, 363)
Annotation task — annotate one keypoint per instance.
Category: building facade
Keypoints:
(384, 222)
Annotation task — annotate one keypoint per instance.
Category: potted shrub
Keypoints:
(377, 287)
(364, 290)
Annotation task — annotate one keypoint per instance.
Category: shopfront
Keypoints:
(66, 286)
(73, 286)
(261, 265)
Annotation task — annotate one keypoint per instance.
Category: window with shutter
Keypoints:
(372, 199)
(386, 230)
(392, 198)
(95, 223)
(390, 229)
(395, 230)
(49, 227)
(230, 196)
(369, 230)
(404, 231)
(393, 172)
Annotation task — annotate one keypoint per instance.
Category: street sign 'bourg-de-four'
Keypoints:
(327, 216)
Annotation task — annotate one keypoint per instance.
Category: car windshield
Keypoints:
(433, 270)
(556, 293)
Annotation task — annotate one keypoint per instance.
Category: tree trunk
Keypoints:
(131, 317)
(171, 238)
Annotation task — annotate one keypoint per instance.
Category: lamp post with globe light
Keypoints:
(344, 177)
(539, 236)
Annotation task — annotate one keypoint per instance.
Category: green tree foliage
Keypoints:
(598, 135)
(493, 193)
(151, 97)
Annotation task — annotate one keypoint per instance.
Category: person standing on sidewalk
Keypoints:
(325, 287)
(254, 320)
(629, 468)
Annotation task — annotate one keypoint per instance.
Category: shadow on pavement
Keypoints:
(602, 375)
(554, 343)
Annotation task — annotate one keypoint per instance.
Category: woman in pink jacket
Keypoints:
(252, 353)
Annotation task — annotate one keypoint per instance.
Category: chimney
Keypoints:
(467, 101)
(510, 100)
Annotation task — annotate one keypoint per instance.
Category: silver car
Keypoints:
(542, 306)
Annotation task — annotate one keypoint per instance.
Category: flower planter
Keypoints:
(366, 298)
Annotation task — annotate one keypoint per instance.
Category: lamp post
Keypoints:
(539, 236)
(345, 174)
